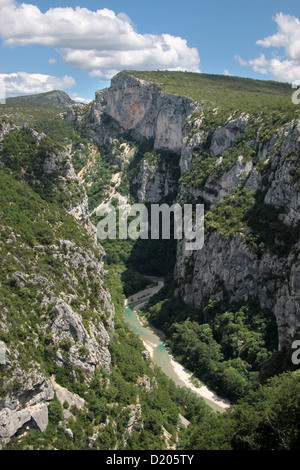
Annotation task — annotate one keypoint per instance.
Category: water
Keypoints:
(161, 356)
(160, 353)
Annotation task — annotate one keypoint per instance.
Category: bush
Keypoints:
(55, 412)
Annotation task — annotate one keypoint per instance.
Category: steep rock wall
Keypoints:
(147, 112)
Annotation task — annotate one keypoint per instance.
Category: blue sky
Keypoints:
(79, 45)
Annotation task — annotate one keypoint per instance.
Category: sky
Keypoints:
(78, 46)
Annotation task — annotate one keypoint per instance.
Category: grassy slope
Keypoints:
(49, 99)
(225, 92)
(18, 113)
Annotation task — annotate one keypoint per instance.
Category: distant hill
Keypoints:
(52, 99)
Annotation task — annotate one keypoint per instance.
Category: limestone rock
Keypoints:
(153, 185)
(69, 433)
(224, 137)
(141, 108)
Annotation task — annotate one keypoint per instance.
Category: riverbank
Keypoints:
(203, 391)
(185, 378)
(144, 295)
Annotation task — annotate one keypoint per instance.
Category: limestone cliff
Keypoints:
(139, 110)
(144, 111)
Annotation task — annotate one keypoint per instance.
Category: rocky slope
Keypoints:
(58, 299)
(226, 266)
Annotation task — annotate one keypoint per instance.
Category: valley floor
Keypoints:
(140, 299)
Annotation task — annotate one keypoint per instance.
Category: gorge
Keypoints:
(230, 310)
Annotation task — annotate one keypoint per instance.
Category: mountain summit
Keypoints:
(53, 99)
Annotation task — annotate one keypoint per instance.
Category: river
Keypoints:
(153, 340)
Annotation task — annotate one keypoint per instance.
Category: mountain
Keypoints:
(52, 99)
(75, 376)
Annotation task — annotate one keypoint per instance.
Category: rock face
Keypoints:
(89, 348)
(147, 112)
(140, 109)
(64, 396)
(27, 407)
(224, 137)
(155, 185)
(226, 267)
(81, 212)
(216, 189)
(283, 186)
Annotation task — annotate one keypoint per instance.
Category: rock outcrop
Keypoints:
(27, 407)
(155, 185)
(224, 136)
(146, 112)
(140, 109)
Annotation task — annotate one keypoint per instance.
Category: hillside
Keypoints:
(53, 99)
(230, 311)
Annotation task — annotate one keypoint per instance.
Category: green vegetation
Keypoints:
(244, 211)
(97, 177)
(230, 347)
(25, 157)
(27, 113)
(27, 222)
(267, 419)
(52, 99)
(226, 347)
(225, 92)
(246, 145)
(110, 397)
(36, 263)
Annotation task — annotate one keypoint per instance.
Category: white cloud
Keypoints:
(288, 36)
(98, 41)
(284, 65)
(226, 72)
(21, 83)
(79, 99)
(52, 61)
(240, 60)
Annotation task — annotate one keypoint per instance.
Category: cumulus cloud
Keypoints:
(288, 36)
(22, 83)
(284, 65)
(99, 41)
(79, 99)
